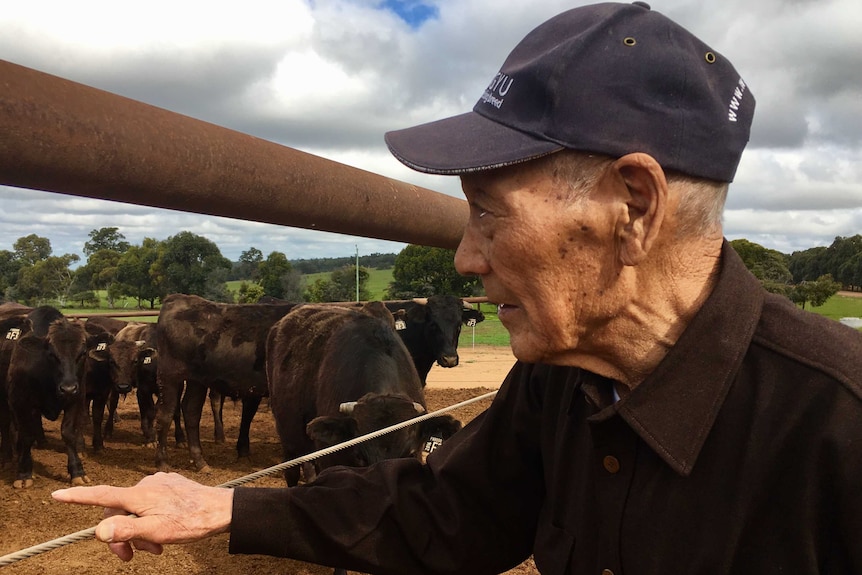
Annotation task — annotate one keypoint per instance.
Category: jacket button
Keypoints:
(607, 572)
(612, 465)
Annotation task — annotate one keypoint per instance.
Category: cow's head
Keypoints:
(66, 350)
(370, 413)
(126, 358)
(441, 319)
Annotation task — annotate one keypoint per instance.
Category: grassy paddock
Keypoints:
(488, 332)
(839, 306)
(378, 282)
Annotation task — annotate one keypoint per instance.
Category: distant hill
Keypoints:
(318, 265)
(378, 281)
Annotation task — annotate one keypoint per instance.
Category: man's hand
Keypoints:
(167, 508)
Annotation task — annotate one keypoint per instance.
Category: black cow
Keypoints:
(430, 329)
(134, 365)
(12, 327)
(210, 345)
(44, 379)
(335, 373)
(97, 379)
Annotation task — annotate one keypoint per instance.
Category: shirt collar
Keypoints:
(674, 409)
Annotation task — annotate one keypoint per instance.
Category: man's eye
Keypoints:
(482, 214)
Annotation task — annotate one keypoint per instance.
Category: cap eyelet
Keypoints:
(629, 41)
(709, 57)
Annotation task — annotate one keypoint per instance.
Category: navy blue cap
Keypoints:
(606, 78)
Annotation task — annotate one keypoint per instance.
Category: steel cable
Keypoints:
(91, 532)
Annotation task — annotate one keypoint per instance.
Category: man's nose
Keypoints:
(470, 256)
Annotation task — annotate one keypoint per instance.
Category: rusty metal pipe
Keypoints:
(61, 136)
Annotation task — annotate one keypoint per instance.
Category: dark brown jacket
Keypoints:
(741, 453)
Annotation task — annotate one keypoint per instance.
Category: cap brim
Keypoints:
(464, 143)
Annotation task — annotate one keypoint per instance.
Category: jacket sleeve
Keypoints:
(471, 508)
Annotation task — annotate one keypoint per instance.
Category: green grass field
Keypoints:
(488, 332)
(839, 306)
(378, 282)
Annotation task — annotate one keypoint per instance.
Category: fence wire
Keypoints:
(89, 533)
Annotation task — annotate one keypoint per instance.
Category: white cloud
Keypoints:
(331, 76)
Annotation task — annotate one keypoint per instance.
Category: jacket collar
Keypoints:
(674, 409)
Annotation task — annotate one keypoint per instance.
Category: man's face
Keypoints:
(547, 259)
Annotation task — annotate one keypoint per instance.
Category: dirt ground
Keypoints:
(30, 517)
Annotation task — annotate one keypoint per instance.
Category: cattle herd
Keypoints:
(331, 372)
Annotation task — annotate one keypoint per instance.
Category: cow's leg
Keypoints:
(41, 440)
(217, 407)
(5, 431)
(166, 406)
(250, 403)
(98, 414)
(193, 404)
(70, 431)
(28, 426)
(179, 434)
(113, 400)
(291, 474)
(147, 407)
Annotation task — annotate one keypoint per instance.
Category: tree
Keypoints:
(85, 298)
(105, 239)
(31, 249)
(247, 266)
(270, 273)
(816, 292)
(100, 271)
(9, 267)
(249, 293)
(769, 266)
(808, 265)
(215, 286)
(293, 286)
(422, 271)
(187, 262)
(341, 286)
(47, 279)
(135, 275)
(839, 256)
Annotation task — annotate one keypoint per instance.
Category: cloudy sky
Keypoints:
(329, 77)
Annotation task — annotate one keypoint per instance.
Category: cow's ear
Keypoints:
(326, 431)
(443, 426)
(97, 354)
(146, 353)
(100, 340)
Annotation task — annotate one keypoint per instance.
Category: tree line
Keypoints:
(188, 263)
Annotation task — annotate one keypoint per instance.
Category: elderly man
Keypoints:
(665, 415)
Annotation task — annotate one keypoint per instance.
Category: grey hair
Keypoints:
(701, 204)
(701, 201)
(580, 171)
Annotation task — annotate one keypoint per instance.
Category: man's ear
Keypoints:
(646, 197)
